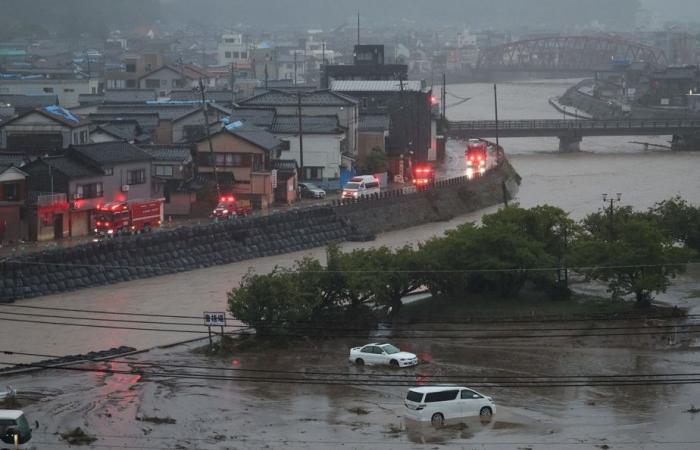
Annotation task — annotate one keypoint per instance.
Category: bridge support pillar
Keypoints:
(686, 142)
(570, 142)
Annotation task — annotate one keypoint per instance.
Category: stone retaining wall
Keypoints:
(172, 251)
(444, 201)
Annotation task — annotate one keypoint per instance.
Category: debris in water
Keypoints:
(78, 437)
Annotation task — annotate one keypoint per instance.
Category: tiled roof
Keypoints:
(57, 114)
(71, 167)
(22, 103)
(147, 121)
(374, 122)
(129, 95)
(13, 159)
(107, 153)
(181, 153)
(285, 98)
(376, 86)
(119, 132)
(310, 125)
(164, 110)
(260, 117)
(213, 96)
(255, 135)
(284, 164)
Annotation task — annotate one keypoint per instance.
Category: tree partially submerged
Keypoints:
(633, 255)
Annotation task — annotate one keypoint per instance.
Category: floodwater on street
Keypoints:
(233, 414)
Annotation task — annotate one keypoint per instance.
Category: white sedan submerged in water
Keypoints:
(382, 354)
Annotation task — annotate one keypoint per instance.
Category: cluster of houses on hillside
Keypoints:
(161, 130)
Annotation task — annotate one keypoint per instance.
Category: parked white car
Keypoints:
(382, 354)
(436, 404)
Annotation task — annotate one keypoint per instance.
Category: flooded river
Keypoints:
(238, 415)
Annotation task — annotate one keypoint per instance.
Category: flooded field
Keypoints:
(168, 407)
(158, 406)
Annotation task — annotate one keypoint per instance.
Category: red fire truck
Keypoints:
(230, 207)
(128, 217)
(423, 174)
(476, 154)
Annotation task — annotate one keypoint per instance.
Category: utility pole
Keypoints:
(295, 67)
(233, 83)
(211, 146)
(444, 96)
(301, 138)
(358, 27)
(611, 211)
(495, 105)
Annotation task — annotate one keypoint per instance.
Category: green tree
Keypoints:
(376, 161)
(640, 260)
(277, 303)
(680, 219)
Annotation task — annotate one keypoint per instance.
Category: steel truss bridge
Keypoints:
(566, 54)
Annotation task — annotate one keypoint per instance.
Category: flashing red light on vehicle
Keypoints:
(433, 100)
(228, 199)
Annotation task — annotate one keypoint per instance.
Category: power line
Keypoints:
(349, 374)
(435, 320)
(370, 382)
(355, 329)
(358, 336)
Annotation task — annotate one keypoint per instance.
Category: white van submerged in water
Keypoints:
(440, 403)
(15, 432)
(361, 185)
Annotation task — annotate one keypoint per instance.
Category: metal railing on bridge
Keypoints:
(563, 124)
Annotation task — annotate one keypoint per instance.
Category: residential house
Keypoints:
(168, 77)
(67, 91)
(13, 194)
(189, 126)
(233, 50)
(24, 103)
(173, 173)
(242, 156)
(88, 175)
(407, 103)
(313, 103)
(132, 68)
(373, 133)
(322, 138)
(43, 130)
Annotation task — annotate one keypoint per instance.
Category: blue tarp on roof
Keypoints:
(63, 112)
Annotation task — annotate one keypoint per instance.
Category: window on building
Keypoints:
(10, 192)
(152, 84)
(48, 90)
(227, 55)
(68, 90)
(193, 133)
(109, 171)
(137, 176)
(164, 83)
(131, 68)
(131, 84)
(83, 137)
(229, 160)
(244, 55)
(236, 55)
(163, 171)
(91, 190)
(313, 173)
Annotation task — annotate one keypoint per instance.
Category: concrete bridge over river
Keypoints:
(685, 132)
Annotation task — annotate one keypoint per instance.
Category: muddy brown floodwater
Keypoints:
(235, 414)
(167, 410)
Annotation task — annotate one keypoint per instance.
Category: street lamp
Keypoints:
(607, 198)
